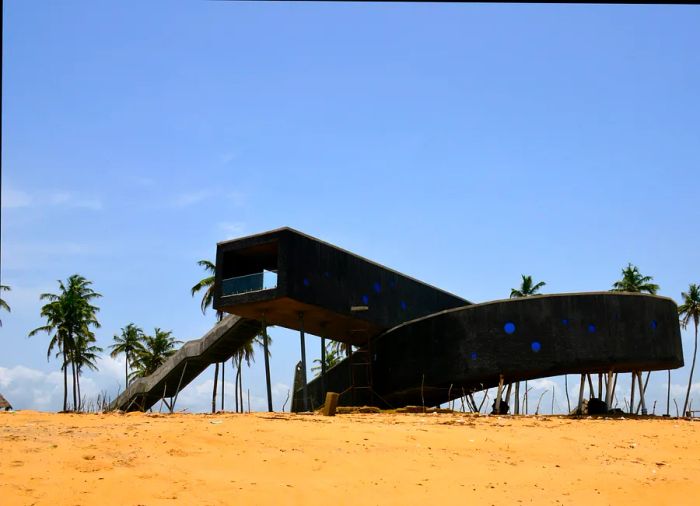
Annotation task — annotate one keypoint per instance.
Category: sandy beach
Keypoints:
(261, 458)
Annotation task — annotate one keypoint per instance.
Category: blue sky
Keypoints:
(463, 145)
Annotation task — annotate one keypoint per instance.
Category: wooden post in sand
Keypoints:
(331, 404)
(579, 409)
(498, 394)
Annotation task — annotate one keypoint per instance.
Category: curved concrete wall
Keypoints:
(529, 338)
(534, 337)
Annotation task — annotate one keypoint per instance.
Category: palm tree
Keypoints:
(154, 352)
(527, 289)
(69, 316)
(130, 343)
(633, 281)
(332, 358)
(4, 305)
(85, 354)
(690, 310)
(207, 284)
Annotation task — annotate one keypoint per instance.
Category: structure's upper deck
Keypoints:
(278, 275)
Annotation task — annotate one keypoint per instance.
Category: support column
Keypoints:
(516, 407)
(508, 391)
(668, 394)
(223, 368)
(634, 374)
(323, 366)
(609, 390)
(579, 410)
(305, 400)
(267, 364)
(600, 386)
(641, 393)
(499, 392)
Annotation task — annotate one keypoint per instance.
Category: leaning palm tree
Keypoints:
(69, 317)
(155, 351)
(527, 289)
(130, 343)
(207, 284)
(4, 305)
(633, 281)
(690, 310)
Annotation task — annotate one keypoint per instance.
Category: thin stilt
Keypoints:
(498, 395)
(508, 390)
(579, 410)
(305, 393)
(641, 393)
(177, 391)
(267, 364)
(634, 373)
(608, 390)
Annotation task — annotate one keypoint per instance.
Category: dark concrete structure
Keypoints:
(281, 275)
(414, 343)
(468, 349)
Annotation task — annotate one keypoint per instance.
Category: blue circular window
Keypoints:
(403, 306)
(306, 282)
(509, 327)
(591, 328)
(365, 300)
(565, 322)
(377, 287)
(654, 324)
(536, 346)
(473, 355)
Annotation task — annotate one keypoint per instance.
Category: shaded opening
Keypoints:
(250, 269)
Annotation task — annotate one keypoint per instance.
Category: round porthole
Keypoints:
(306, 282)
(591, 328)
(377, 287)
(473, 355)
(365, 300)
(654, 324)
(509, 327)
(565, 322)
(536, 346)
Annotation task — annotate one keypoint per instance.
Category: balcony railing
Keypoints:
(264, 280)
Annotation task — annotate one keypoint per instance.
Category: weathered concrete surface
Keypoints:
(468, 348)
(187, 363)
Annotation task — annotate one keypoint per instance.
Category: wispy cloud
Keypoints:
(231, 229)
(13, 198)
(191, 198)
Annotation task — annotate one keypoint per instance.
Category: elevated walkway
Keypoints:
(217, 345)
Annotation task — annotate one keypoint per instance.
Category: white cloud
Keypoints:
(14, 198)
(191, 198)
(231, 229)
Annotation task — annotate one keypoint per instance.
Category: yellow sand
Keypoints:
(281, 459)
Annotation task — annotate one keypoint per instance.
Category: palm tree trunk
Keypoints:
(75, 388)
(77, 381)
(65, 383)
(692, 368)
(213, 396)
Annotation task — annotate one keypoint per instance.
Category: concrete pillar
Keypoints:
(305, 400)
